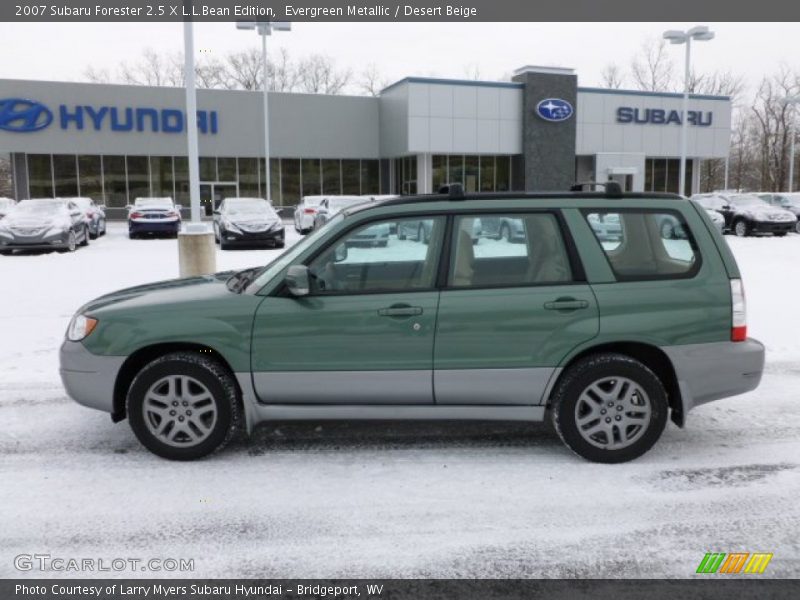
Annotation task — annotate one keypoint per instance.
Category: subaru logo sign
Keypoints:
(554, 109)
(18, 114)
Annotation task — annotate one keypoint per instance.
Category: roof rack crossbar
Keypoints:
(612, 188)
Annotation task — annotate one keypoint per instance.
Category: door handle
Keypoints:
(400, 310)
(566, 304)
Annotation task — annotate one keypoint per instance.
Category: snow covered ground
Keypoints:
(396, 499)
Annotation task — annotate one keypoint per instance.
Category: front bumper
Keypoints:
(89, 378)
(34, 242)
(271, 237)
(772, 226)
(708, 372)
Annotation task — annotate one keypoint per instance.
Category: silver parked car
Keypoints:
(94, 214)
(44, 224)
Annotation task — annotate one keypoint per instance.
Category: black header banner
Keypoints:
(153, 11)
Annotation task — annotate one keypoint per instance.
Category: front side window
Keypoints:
(374, 258)
(507, 250)
(645, 244)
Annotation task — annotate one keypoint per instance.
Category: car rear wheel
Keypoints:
(741, 229)
(183, 406)
(797, 227)
(72, 242)
(86, 236)
(505, 233)
(609, 408)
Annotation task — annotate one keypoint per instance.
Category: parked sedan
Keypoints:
(785, 200)
(247, 221)
(43, 224)
(754, 215)
(94, 214)
(6, 204)
(153, 216)
(306, 212)
(333, 205)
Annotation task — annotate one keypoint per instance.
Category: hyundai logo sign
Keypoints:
(20, 115)
(554, 109)
(25, 116)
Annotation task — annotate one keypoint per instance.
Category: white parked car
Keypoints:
(306, 212)
(333, 205)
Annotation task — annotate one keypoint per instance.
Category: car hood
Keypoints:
(162, 293)
(33, 221)
(764, 212)
(252, 218)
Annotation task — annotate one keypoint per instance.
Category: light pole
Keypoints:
(264, 29)
(700, 33)
(793, 101)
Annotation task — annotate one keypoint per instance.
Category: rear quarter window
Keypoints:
(645, 244)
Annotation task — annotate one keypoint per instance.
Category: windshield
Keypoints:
(747, 200)
(791, 198)
(39, 207)
(287, 258)
(153, 202)
(82, 202)
(712, 202)
(249, 208)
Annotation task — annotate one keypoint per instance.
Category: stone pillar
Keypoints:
(197, 252)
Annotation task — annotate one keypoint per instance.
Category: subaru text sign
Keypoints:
(658, 116)
(24, 116)
(21, 115)
(554, 109)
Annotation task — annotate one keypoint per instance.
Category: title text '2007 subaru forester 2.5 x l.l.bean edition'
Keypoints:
(606, 336)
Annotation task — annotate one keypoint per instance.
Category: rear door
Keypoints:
(510, 312)
(365, 333)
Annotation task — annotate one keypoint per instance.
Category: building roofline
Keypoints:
(464, 82)
(618, 92)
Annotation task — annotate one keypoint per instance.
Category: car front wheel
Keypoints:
(183, 406)
(741, 229)
(609, 408)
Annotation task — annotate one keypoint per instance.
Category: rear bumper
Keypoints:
(154, 227)
(708, 372)
(89, 378)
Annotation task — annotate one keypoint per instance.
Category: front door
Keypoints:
(512, 310)
(364, 335)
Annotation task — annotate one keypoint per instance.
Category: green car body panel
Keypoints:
(459, 347)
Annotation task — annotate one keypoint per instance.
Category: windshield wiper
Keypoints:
(239, 281)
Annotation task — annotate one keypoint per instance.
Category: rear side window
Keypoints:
(508, 250)
(645, 244)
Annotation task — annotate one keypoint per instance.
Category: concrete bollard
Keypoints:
(197, 252)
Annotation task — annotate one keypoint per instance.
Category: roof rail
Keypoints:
(612, 188)
(454, 190)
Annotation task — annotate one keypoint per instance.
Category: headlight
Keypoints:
(79, 327)
(230, 225)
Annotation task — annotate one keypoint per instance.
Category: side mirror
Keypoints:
(340, 254)
(297, 280)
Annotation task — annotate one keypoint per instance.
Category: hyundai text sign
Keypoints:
(658, 116)
(554, 109)
(20, 115)
(24, 116)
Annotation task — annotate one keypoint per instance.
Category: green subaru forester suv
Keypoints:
(590, 317)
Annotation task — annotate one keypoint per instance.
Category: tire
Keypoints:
(741, 229)
(280, 244)
(223, 245)
(131, 235)
(578, 392)
(797, 227)
(200, 375)
(505, 233)
(400, 236)
(86, 236)
(216, 234)
(72, 242)
(105, 227)
(96, 233)
(421, 233)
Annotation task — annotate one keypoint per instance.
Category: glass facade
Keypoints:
(663, 175)
(478, 173)
(117, 180)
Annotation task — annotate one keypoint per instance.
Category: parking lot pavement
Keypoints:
(387, 499)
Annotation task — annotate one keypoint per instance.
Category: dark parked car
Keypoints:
(153, 216)
(45, 224)
(787, 201)
(94, 214)
(752, 215)
(247, 221)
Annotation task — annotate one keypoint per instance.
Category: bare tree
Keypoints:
(652, 69)
(371, 82)
(717, 83)
(472, 71)
(318, 74)
(612, 76)
(243, 70)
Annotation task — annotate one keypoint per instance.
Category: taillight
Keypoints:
(137, 215)
(310, 211)
(738, 312)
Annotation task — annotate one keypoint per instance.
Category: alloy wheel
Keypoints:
(180, 411)
(613, 413)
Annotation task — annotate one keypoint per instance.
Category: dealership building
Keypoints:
(539, 132)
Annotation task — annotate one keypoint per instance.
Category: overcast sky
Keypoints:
(63, 52)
